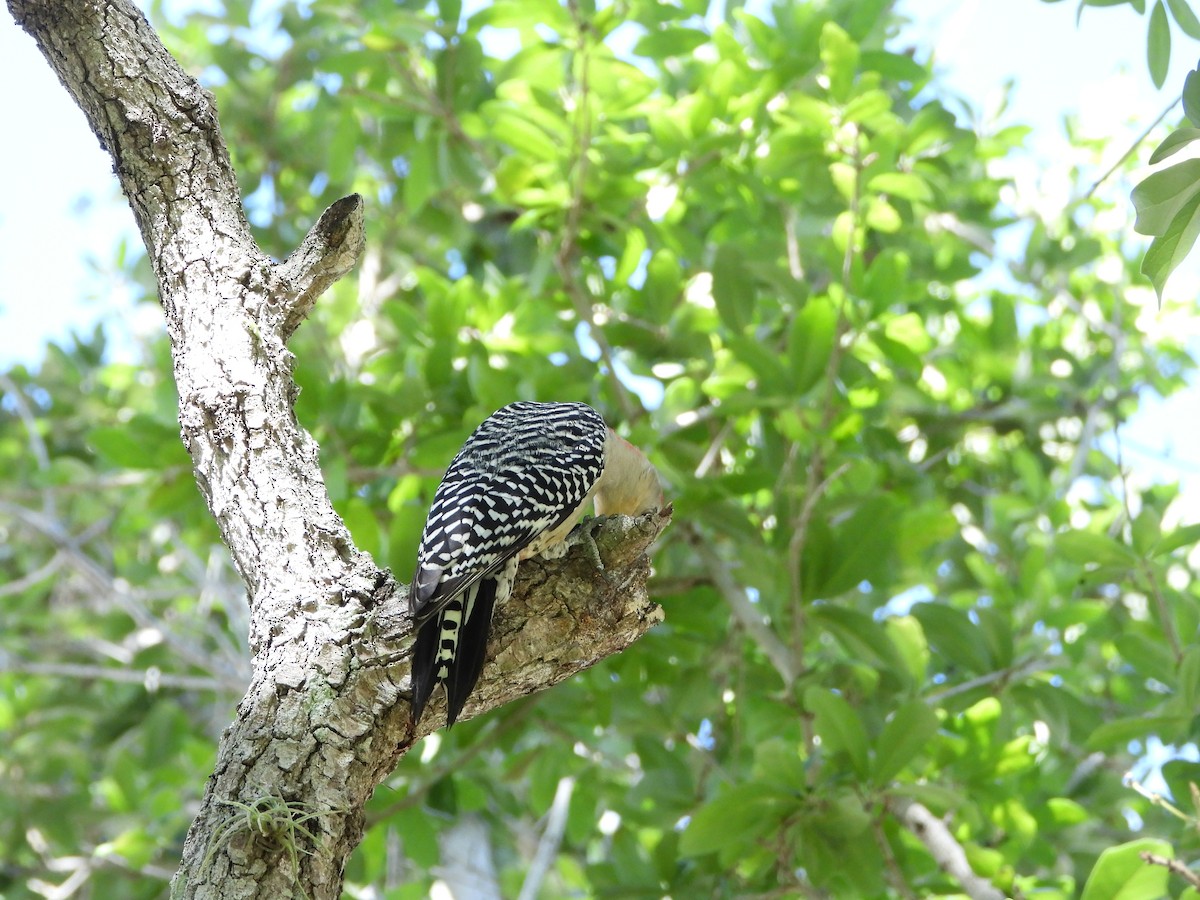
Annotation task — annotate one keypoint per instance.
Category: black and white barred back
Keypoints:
(524, 472)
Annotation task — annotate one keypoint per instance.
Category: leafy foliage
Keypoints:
(1166, 200)
(902, 567)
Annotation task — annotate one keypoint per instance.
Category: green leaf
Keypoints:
(863, 548)
(905, 185)
(668, 42)
(909, 331)
(1063, 811)
(1121, 874)
(996, 628)
(779, 762)
(423, 178)
(524, 14)
(862, 636)
(897, 67)
(1120, 732)
(1169, 249)
(1184, 536)
(1180, 775)
(954, 635)
(1191, 97)
(134, 845)
(141, 443)
(839, 54)
(1146, 530)
(733, 288)
(363, 525)
(1188, 23)
(521, 133)
(881, 216)
(1158, 45)
(770, 374)
(1173, 143)
(664, 284)
(837, 724)
(734, 819)
(810, 343)
(119, 447)
(1085, 547)
(1187, 684)
(867, 107)
(1146, 656)
(631, 257)
(907, 635)
(905, 735)
(1162, 196)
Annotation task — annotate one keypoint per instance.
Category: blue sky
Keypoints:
(61, 220)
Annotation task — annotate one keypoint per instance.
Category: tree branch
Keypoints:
(942, 846)
(1172, 865)
(328, 251)
(748, 616)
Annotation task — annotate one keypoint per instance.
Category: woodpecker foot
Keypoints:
(587, 537)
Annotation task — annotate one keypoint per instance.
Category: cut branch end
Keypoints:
(329, 250)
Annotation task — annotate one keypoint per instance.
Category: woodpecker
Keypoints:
(515, 489)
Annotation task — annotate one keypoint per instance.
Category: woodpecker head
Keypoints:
(629, 484)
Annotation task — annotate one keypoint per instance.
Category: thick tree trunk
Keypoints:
(325, 717)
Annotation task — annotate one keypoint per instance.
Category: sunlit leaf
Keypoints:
(837, 724)
(733, 288)
(1121, 874)
(1181, 11)
(734, 819)
(1158, 44)
(904, 736)
(1169, 248)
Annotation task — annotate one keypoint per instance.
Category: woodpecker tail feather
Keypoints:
(451, 647)
(467, 663)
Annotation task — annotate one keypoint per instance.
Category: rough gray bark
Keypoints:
(324, 719)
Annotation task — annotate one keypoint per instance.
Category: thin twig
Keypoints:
(795, 265)
(697, 416)
(1171, 865)
(36, 576)
(714, 449)
(1108, 374)
(816, 483)
(37, 446)
(481, 743)
(103, 583)
(547, 849)
(570, 235)
(1160, 801)
(946, 851)
(1165, 618)
(1132, 149)
(1003, 677)
(152, 678)
(895, 875)
(745, 612)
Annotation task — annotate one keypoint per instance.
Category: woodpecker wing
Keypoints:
(525, 470)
